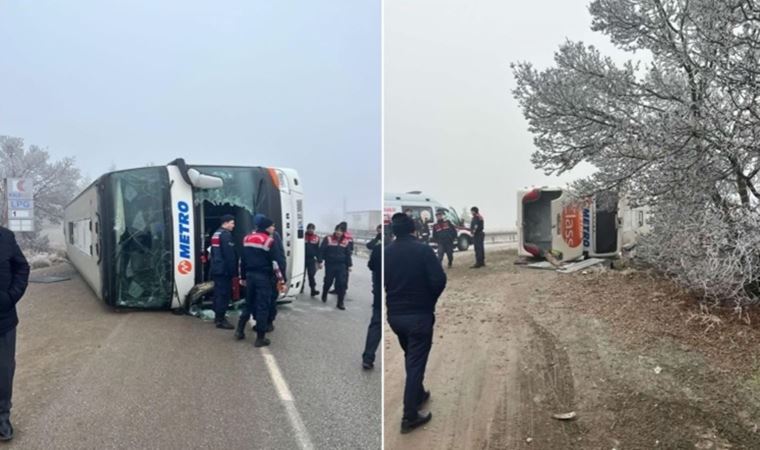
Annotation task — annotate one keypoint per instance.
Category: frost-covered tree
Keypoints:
(55, 183)
(679, 131)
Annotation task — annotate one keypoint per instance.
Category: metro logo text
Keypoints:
(183, 222)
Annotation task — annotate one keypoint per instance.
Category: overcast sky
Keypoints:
(452, 128)
(272, 83)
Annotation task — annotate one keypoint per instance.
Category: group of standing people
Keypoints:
(261, 269)
(444, 235)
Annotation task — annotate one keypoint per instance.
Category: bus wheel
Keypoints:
(463, 243)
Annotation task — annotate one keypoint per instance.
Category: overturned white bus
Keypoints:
(139, 236)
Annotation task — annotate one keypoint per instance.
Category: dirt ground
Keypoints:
(637, 361)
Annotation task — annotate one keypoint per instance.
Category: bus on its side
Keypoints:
(139, 236)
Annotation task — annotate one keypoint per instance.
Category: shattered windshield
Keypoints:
(143, 257)
(239, 189)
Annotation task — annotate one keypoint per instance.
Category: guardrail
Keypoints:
(501, 237)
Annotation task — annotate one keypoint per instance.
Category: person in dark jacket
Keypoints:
(282, 265)
(256, 268)
(414, 279)
(444, 234)
(478, 237)
(346, 235)
(224, 267)
(374, 331)
(312, 256)
(335, 252)
(14, 277)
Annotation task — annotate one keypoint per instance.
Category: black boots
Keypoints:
(261, 341)
(314, 292)
(240, 330)
(409, 424)
(6, 430)
(340, 303)
(324, 296)
(223, 324)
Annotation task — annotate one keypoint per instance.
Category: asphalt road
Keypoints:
(90, 377)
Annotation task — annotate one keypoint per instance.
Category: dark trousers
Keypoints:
(311, 272)
(480, 252)
(273, 304)
(258, 300)
(446, 249)
(7, 369)
(415, 335)
(337, 273)
(222, 296)
(375, 329)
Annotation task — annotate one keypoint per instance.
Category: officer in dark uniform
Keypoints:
(444, 234)
(14, 278)
(374, 331)
(478, 236)
(256, 268)
(224, 266)
(312, 255)
(414, 279)
(335, 252)
(283, 266)
(346, 235)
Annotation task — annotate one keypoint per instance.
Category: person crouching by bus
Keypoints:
(312, 255)
(444, 234)
(14, 277)
(335, 252)
(256, 268)
(224, 264)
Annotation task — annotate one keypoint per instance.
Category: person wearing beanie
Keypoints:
(312, 255)
(224, 267)
(256, 272)
(414, 280)
(283, 269)
(335, 253)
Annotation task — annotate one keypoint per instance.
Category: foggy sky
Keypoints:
(451, 126)
(288, 84)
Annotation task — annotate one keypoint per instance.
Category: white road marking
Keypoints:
(286, 397)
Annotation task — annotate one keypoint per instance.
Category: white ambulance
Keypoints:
(424, 207)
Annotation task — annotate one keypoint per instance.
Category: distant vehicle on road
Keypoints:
(139, 236)
(424, 207)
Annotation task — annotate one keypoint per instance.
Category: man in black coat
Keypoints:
(14, 277)
(414, 279)
(374, 331)
(478, 236)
